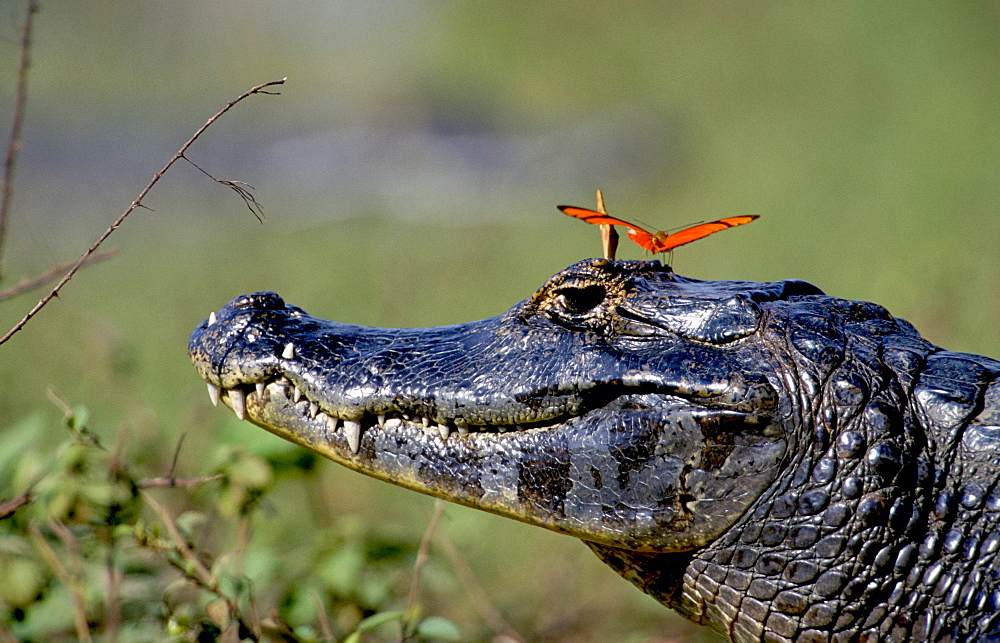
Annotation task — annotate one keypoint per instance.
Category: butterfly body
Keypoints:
(656, 242)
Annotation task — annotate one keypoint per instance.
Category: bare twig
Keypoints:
(418, 566)
(198, 569)
(324, 620)
(49, 275)
(194, 567)
(76, 571)
(113, 611)
(14, 144)
(68, 578)
(177, 454)
(173, 482)
(259, 89)
(8, 507)
(473, 590)
(237, 187)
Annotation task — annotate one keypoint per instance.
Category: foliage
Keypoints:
(96, 535)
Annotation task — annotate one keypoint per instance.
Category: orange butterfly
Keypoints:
(657, 242)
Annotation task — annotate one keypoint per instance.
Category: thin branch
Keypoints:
(473, 590)
(172, 482)
(237, 186)
(49, 275)
(177, 454)
(8, 507)
(324, 619)
(113, 609)
(67, 577)
(76, 570)
(194, 567)
(259, 89)
(17, 122)
(425, 544)
(198, 569)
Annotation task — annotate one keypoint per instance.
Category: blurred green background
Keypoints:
(410, 171)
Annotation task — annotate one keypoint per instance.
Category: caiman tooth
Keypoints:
(296, 394)
(239, 402)
(212, 318)
(313, 409)
(444, 430)
(380, 418)
(260, 388)
(463, 428)
(352, 431)
(289, 351)
(426, 421)
(213, 394)
(631, 379)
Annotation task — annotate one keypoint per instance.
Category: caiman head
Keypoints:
(621, 404)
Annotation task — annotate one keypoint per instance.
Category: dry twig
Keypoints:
(68, 578)
(473, 590)
(8, 507)
(113, 609)
(259, 89)
(194, 568)
(49, 275)
(324, 620)
(17, 121)
(425, 544)
(238, 187)
(173, 482)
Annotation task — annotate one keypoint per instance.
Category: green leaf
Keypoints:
(23, 579)
(377, 620)
(438, 628)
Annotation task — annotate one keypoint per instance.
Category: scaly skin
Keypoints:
(765, 459)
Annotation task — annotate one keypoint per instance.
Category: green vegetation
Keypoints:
(865, 134)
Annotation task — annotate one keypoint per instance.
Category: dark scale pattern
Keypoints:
(772, 462)
(835, 556)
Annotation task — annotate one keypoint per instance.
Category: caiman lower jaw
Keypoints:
(649, 472)
(275, 405)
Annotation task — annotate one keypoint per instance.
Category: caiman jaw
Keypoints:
(274, 400)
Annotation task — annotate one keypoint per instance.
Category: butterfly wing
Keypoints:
(641, 236)
(687, 235)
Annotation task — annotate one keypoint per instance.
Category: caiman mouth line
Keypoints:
(282, 396)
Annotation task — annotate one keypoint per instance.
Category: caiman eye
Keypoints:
(581, 299)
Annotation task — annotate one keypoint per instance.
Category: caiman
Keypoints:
(767, 460)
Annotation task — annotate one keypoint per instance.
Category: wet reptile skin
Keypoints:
(771, 462)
